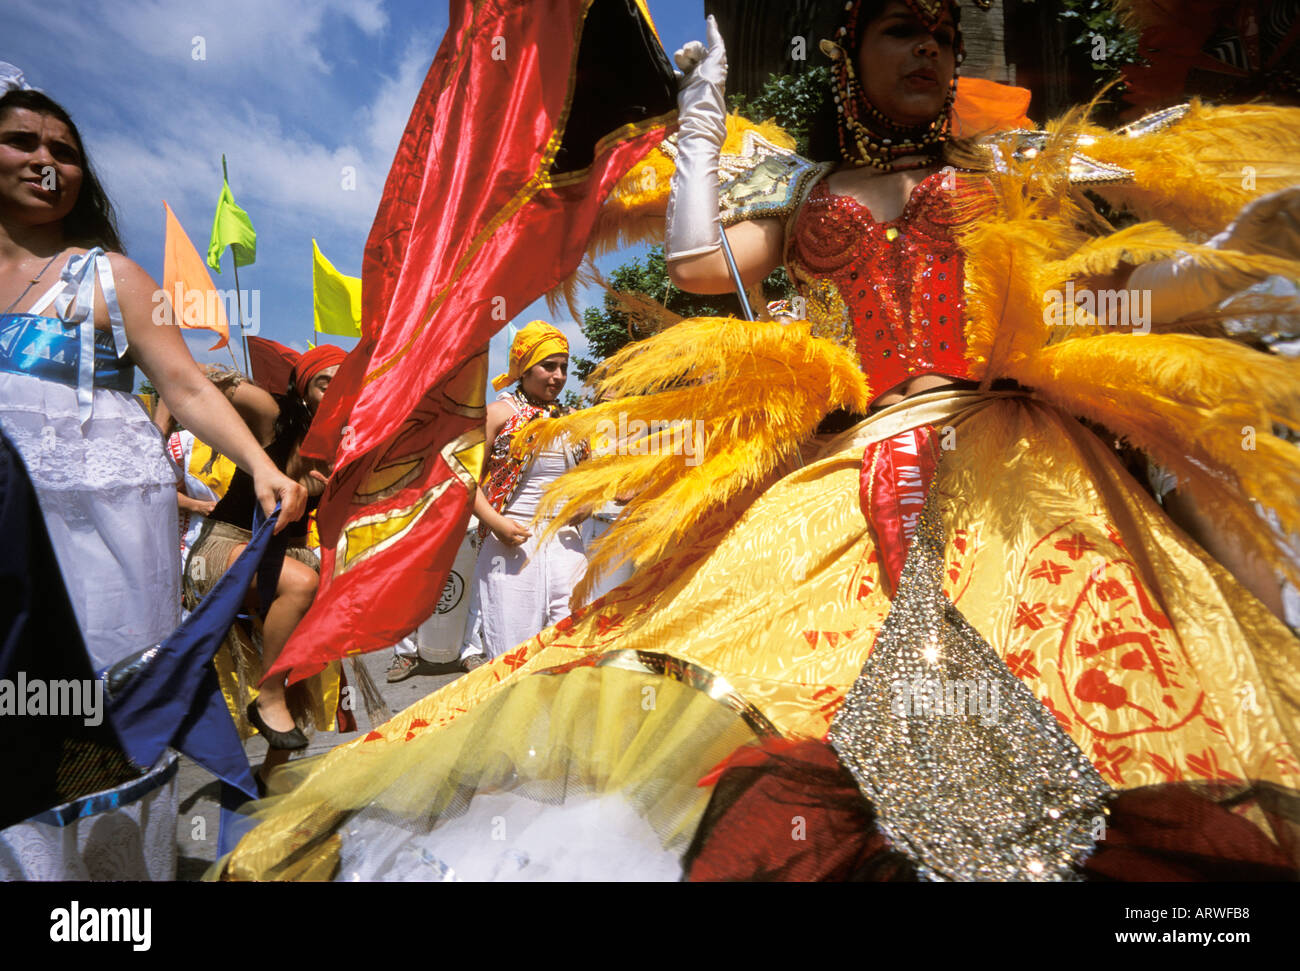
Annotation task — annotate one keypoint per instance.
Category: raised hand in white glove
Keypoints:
(702, 112)
(1270, 225)
(1181, 287)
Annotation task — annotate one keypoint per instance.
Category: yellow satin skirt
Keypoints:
(1158, 664)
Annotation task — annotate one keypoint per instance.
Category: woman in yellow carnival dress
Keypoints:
(1024, 668)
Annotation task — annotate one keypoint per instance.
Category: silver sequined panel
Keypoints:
(969, 774)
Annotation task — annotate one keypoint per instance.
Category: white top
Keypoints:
(546, 468)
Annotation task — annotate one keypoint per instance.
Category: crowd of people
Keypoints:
(953, 494)
(121, 493)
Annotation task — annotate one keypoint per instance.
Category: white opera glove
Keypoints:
(702, 112)
(1269, 226)
(1181, 287)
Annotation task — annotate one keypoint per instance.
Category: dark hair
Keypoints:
(92, 221)
(295, 415)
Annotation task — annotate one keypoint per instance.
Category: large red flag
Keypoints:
(531, 112)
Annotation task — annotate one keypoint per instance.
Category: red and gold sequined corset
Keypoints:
(896, 286)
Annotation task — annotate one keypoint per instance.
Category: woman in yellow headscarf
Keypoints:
(521, 584)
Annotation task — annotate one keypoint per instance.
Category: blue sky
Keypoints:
(292, 91)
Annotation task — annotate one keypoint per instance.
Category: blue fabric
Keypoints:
(175, 698)
(46, 348)
(73, 296)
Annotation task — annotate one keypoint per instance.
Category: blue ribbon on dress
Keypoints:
(77, 284)
(37, 346)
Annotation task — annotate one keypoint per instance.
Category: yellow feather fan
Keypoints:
(1196, 174)
(1203, 408)
(703, 413)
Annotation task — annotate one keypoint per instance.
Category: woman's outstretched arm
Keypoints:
(197, 404)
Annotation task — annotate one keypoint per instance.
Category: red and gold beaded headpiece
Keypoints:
(867, 136)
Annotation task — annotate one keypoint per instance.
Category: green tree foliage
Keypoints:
(791, 100)
(609, 328)
(1097, 29)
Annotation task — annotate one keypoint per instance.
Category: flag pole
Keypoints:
(239, 309)
(239, 297)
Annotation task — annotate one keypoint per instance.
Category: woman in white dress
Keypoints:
(76, 316)
(106, 488)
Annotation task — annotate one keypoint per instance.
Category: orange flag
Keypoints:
(196, 303)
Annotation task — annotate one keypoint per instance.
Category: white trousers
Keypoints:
(522, 590)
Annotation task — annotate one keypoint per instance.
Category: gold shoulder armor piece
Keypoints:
(763, 181)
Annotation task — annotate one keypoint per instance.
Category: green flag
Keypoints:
(337, 298)
(231, 227)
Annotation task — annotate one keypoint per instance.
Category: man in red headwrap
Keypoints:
(313, 371)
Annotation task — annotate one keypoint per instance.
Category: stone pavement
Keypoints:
(198, 817)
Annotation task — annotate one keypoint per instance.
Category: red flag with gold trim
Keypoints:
(531, 112)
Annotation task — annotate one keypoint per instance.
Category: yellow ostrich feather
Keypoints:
(1201, 407)
(1004, 317)
(1146, 242)
(1043, 234)
(1197, 174)
(746, 394)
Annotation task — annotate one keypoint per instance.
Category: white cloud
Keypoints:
(309, 145)
(239, 36)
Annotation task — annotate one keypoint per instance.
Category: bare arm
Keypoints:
(203, 507)
(259, 411)
(197, 404)
(162, 417)
(758, 248)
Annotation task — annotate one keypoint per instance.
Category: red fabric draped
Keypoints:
(271, 362)
(479, 216)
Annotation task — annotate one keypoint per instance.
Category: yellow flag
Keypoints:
(218, 476)
(195, 301)
(337, 298)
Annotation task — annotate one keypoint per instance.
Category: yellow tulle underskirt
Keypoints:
(1156, 662)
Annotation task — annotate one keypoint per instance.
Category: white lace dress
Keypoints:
(107, 491)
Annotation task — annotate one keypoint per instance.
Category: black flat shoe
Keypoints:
(287, 741)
